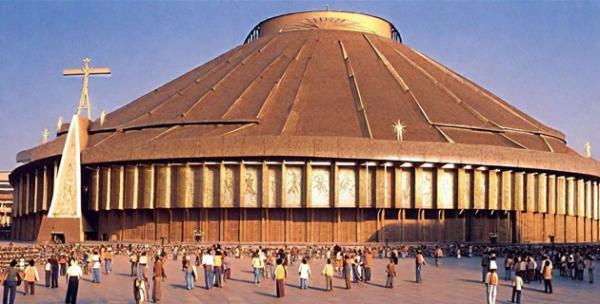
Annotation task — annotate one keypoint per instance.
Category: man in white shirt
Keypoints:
(304, 273)
(517, 286)
(74, 273)
(208, 261)
(96, 267)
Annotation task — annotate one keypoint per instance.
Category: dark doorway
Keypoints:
(58, 238)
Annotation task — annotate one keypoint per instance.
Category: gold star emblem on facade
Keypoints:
(399, 130)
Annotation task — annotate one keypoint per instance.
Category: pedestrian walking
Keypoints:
(55, 271)
(390, 270)
(227, 267)
(31, 276)
(517, 286)
(347, 266)
(491, 285)
(280, 276)
(257, 267)
(96, 263)
(159, 277)
(547, 271)
(589, 265)
(10, 279)
(74, 273)
(48, 273)
(328, 273)
(304, 273)
(208, 262)
(419, 263)
(218, 268)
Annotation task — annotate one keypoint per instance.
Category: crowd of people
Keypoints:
(354, 265)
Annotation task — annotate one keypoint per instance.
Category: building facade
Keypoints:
(323, 127)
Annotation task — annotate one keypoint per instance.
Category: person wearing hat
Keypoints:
(491, 284)
(419, 263)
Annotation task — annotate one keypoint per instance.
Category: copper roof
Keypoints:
(319, 81)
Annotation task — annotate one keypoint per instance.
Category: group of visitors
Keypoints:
(353, 265)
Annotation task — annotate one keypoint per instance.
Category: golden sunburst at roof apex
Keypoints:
(325, 20)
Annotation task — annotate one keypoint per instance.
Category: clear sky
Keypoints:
(541, 56)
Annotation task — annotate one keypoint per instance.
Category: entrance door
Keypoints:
(58, 238)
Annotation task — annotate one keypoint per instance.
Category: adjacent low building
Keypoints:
(321, 127)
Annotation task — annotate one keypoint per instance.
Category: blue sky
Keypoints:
(541, 56)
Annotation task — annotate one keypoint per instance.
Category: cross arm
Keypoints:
(92, 71)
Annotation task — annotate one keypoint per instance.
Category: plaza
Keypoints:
(455, 281)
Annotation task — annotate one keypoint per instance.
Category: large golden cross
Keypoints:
(86, 71)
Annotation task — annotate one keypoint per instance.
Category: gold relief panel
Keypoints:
(479, 193)
(571, 196)
(146, 187)
(196, 185)
(163, 186)
(427, 189)
(580, 198)
(561, 195)
(130, 197)
(104, 188)
(320, 192)
(407, 177)
(347, 187)
(211, 196)
(551, 187)
(447, 190)
(542, 196)
(183, 182)
(588, 199)
(274, 195)
(230, 181)
(388, 186)
(94, 189)
(293, 187)
(595, 201)
(251, 188)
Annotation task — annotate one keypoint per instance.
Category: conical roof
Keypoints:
(327, 75)
(323, 80)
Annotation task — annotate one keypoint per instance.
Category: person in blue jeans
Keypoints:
(10, 283)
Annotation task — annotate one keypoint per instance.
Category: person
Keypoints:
(96, 267)
(491, 285)
(390, 270)
(63, 265)
(188, 273)
(108, 261)
(227, 267)
(419, 263)
(517, 286)
(55, 270)
(328, 273)
(257, 266)
(10, 279)
(31, 276)
(218, 268)
(347, 266)
(304, 273)
(368, 262)
(270, 267)
(139, 290)
(159, 277)
(485, 264)
(74, 273)
(589, 264)
(133, 259)
(547, 272)
(280, 275)
(208, 262)
(508, 266)
(48, 272)
(438, 255)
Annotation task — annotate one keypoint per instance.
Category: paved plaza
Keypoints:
(455, 281)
